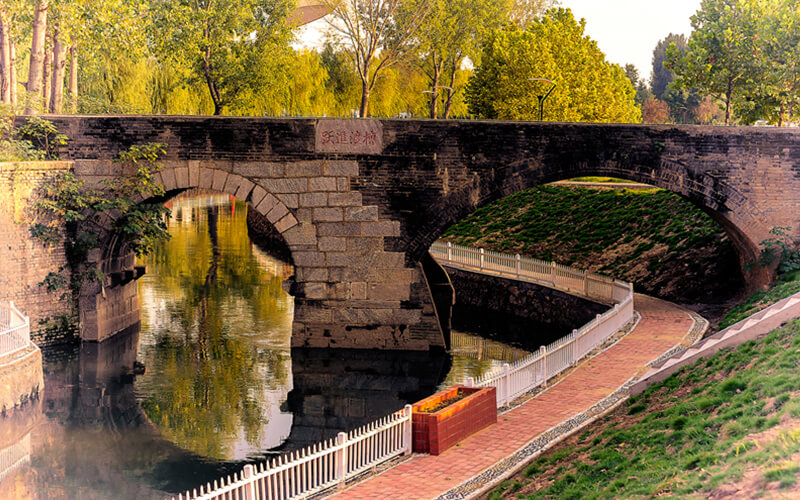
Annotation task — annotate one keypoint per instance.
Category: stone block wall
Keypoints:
(528, 314)
(24, 261)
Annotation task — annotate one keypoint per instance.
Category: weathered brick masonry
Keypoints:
(360, 201)
(24, 261)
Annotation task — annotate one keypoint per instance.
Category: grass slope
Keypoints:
(729, 425)
(653, 238)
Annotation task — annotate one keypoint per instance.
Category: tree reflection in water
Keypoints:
(216, 326)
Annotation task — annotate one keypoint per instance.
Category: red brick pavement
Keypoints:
(662, 326)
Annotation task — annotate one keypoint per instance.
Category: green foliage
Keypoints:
(44, 136)
(588, 88)
(234, 47)
(67, 207)
(745, 53)
(685, 444)
(780, 248)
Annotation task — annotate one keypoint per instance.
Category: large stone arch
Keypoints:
(728, 207)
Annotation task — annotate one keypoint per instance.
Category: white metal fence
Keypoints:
(316, 467)
(15, 329)
(516, 378)
(590, 285)
(15, 456)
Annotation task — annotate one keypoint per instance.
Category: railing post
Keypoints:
(449, 252)
(469, 382)
(574, 346)
(543, 364)
(249, 486)
(519, 266)
(553, 272)
(341, 458)
(482, 252)
(407, 431)
(506, 383)
(586, 282)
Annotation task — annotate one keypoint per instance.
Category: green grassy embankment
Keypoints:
(653, 238)
(727, 426)
(783, 287)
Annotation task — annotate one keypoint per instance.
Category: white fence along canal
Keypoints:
(512, 380)
(316, 467)
(15, 329)
(331, 463)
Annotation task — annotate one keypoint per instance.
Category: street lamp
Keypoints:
(434, 95)
(542, 97)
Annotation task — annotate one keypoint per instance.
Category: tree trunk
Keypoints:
(728, 96)
(13, 54)
(47, 73)
(59, 63)
(363, 111)
(437, 74)
(34, 87)
(450, 93)
(73, 79)
(5, 60)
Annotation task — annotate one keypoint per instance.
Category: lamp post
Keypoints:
(542, 97)
(434, 95)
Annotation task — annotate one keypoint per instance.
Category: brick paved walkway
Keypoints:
(662, 326)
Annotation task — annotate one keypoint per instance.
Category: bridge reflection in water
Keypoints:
(220, 385)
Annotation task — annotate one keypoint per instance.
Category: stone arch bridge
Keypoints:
(358, 202)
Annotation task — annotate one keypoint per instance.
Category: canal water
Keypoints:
(208, 381)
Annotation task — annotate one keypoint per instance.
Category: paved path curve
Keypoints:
(662, 325)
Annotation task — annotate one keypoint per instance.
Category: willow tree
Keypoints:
(377, 34)
(228, 44)
(554, 47)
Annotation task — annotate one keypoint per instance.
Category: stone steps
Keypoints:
(750, 328)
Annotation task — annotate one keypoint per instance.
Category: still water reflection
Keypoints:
(221, 385)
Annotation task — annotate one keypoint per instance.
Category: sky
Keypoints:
(625, 30)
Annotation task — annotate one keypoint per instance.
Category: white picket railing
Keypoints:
(15, 456)
(316, 467)
(512, 380)
(15, 329)
(550, 274)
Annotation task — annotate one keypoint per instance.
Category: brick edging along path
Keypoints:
(662, 325)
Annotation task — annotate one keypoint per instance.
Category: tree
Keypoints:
(661, 77)
(341, 80)
(453, 32)
(555, 47)
(228, 44)
(719, 59)
(775, 94)
(377, 35)
(642, 92)
(524, 12)
(655, 111)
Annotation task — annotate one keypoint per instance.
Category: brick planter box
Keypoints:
(435, 432)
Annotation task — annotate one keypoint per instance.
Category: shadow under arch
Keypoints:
(723, 203)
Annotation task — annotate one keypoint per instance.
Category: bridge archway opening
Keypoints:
(732, 273)
(112, 306)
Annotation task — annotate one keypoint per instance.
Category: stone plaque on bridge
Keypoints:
(349, 136)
